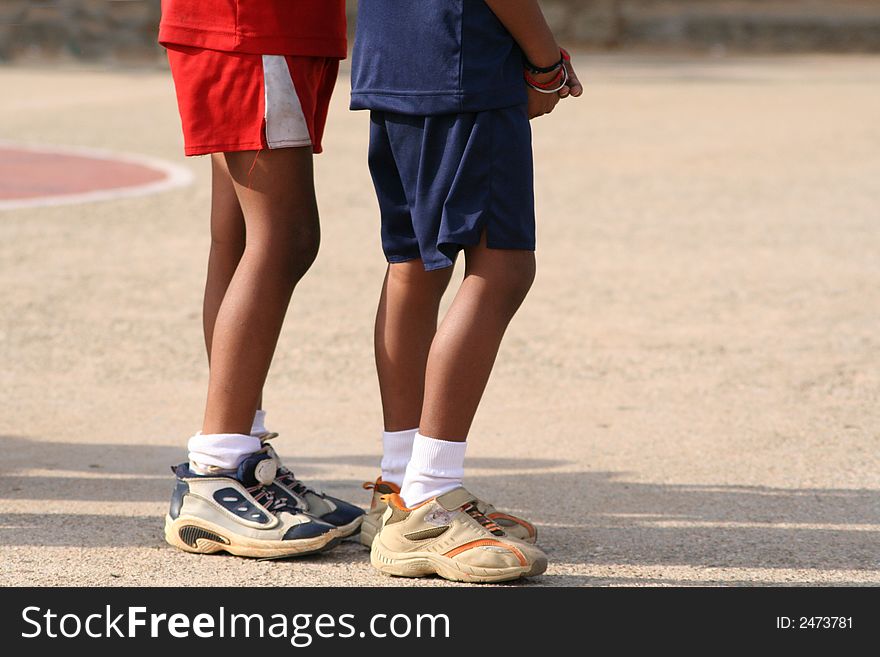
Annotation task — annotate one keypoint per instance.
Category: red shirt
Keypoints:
(311, 28)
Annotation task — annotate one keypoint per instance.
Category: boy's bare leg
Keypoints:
(275, 190)
(463, 351)
(227, 244)
(405, 326)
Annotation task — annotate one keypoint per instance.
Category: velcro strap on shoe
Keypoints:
(264, 471)
(455, 499)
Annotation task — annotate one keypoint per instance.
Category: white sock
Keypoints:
(220, 450)
(259, 425)
(396, 449)
(435, 467)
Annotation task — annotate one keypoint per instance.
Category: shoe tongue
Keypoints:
(455, 499)
(256, 469)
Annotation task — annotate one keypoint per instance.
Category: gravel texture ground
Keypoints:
(689, 396)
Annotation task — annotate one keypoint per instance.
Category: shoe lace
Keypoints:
(284, 475)
(287, 478)
(268, 499)
(486, 522)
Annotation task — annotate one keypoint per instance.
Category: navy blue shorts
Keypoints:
(442, 180)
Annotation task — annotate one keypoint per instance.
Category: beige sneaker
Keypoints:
(448, 536)
(512, 526)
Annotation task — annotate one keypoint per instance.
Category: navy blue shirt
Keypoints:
(426, 57)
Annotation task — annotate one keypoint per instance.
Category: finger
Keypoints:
(563, 93)
(575, 86)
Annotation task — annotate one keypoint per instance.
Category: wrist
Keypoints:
(562, 56)
(546, 57)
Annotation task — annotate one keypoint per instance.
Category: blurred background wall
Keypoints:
(98, 29)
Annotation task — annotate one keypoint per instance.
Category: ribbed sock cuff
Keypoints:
(222, 450)
(396, 451)
(437, 458)
(259, 424)
(436, 467)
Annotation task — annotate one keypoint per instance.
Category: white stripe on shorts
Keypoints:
(285, 123)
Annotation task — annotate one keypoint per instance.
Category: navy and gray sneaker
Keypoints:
(244, 513)
(345, 517)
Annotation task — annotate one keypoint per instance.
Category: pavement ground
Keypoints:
(688, 396)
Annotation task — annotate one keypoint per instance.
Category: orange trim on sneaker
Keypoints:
(397, 500)
(372, 485)
(486, 541)
(519, 521)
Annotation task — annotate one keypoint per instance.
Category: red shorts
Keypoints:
(233, 101)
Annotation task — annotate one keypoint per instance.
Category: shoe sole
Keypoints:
(192, 534)
(332, 544)
(352, 528)
(421, 564)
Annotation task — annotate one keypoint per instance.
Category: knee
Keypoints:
(511, 284)
(521, 280)
(229, 245)
(411, 278)
(288, 254)
(302, 253)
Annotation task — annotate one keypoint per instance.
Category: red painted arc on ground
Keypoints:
(31, 175)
